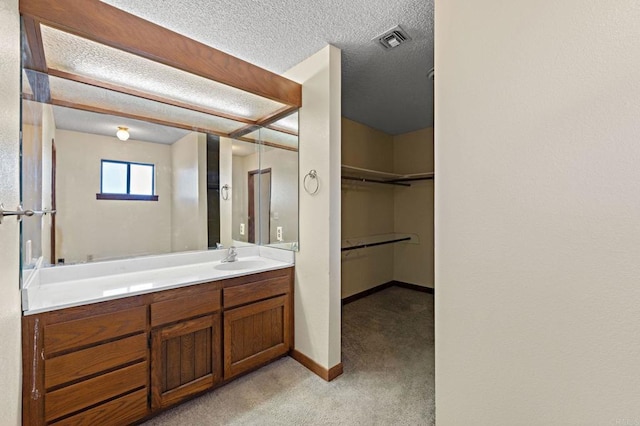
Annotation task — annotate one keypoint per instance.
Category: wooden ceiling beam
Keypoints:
(90, 108)
(271, 144)
(263, 122)
(145, 95)
(34, 59)
(282, 130)
(99, 110)
(103, 23)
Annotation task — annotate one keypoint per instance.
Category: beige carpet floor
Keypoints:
(388, 358)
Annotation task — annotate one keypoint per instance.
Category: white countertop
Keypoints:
(57, 288)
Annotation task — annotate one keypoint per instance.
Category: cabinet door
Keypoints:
(185, 359)
(255, 334)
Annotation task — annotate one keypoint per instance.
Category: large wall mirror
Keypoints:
(128, 157)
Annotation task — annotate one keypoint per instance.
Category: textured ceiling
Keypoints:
(73, 54)
(385, 89)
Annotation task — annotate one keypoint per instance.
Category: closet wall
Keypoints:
(413, 208)
(367, 208)
(373, 209)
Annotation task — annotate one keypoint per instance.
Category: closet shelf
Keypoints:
(356, 243)
(375, 176)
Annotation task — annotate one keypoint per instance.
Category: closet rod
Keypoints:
(376, 181)
(375, 244)
(412, 179)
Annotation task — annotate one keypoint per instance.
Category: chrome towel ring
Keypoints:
(309, 180)
(224, 192)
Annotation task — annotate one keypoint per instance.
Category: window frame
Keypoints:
(133, 197)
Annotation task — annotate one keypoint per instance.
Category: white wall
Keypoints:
(317, 288)
(537, 212)
(116, 228)
(10, 370)
(189, 193)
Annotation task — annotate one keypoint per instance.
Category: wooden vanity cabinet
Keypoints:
(86, 365)
(120, 361)
(185, 343)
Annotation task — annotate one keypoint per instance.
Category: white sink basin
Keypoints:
(239, 265)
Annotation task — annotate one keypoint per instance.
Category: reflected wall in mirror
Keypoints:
(183, 213)
(265, 178)
(63, 150)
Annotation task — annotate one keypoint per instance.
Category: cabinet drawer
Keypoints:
(82, 332)
(181, 308)
(120, 411)
(80, 364)
(93, 391)
(247, 293)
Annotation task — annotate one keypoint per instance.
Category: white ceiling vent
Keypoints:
(393, 38)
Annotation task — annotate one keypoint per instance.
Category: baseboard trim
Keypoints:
(317, 369)
(366, 293)
(413, 287)
(384, 286)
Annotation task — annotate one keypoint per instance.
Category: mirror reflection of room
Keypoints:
(77, 163)
(265, 194)
(128, 157)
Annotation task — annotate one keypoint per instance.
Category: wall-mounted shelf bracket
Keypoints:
(375, 176)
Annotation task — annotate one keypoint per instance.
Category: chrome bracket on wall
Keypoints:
(19, 213)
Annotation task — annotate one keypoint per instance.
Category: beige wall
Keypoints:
(372, 209)
(317, 292)
(48, 133)
(32, 185)
(413, 208)
(116, 228)
(189, 193)
(226, 178)
(10, 360)
(284, 191)
(36, 181)
(367, 209)
(366, 147)
(537, 212)
(240, 167)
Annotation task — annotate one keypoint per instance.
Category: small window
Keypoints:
(121, 180)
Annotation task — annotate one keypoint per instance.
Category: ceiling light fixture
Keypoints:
(123, 133)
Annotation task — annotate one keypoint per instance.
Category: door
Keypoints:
(185, 359)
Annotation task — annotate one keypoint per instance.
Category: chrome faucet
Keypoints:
(232, 255)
